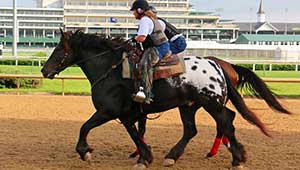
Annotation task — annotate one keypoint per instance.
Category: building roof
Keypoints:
(281, 27)
(266, 26)
(269, 37)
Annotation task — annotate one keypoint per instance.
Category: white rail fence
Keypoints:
(39, 60)
(63, 78)
(267, 62)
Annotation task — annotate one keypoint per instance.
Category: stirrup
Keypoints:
(139, 96)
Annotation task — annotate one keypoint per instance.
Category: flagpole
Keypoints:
(15, 29)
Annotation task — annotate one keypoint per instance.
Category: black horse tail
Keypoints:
(257, 86)
(240, 105)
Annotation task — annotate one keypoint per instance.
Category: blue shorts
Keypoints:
(163, 49)
(178, 45)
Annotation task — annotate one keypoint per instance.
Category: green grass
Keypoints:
(285, 89)
(35, 54)
(83, 86)
(7, 69)
(278, 74)
(282, 89)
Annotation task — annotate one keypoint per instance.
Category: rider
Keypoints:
(176, 39)
(149, 25)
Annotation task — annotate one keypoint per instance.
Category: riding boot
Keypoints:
(149, 60)
(148, 85)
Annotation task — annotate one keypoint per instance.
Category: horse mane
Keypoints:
(95, 41)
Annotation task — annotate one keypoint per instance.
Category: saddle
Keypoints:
(169, 66)
(169, 60)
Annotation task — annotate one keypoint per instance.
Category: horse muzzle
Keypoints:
(49, 75)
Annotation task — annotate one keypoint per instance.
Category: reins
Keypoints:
(104, 76)
(103, 53)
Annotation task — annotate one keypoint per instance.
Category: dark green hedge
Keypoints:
(13, 82)
(24, 83)
(275, 67)
(21, 63)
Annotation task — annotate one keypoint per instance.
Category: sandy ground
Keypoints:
(40, 132)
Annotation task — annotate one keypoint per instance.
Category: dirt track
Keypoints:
(40, 132)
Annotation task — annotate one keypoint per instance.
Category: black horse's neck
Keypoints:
(97, 53)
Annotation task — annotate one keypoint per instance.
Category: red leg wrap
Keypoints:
(215, 148)
(226, 141)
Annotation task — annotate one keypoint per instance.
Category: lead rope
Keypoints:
(156, 117)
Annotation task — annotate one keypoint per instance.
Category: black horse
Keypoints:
(203, 85)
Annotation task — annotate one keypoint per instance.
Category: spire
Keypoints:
(261, 16)
(260, 10)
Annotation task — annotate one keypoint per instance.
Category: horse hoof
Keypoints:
(168, 162)
(240, 167)
(209, 156)
(139, 166)
(133, 155)
(88, 157)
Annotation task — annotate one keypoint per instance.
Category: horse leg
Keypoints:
(82, 148)
(220, 138)
(145, 153)
(142, 129)
(224, 121)
(187, 115)
(237, 149)
(214, 150)
(225, 140)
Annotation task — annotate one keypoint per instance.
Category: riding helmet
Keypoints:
(140, 4)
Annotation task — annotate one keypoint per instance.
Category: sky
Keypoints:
(238, 10)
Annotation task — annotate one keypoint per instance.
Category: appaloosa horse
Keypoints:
(203, 85)
(240, 77)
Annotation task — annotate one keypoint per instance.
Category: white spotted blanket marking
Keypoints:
(206, 76)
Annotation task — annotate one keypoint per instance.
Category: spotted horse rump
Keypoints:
(206, 76)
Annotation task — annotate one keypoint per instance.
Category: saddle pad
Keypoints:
(169, 70)
(169, 60)
(160, 71)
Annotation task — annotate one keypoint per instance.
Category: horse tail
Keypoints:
(258, 87)
(240, 105)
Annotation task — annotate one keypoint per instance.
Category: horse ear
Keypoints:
(62, 32)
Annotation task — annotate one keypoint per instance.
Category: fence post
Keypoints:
(253, 67)
(296, 68)
(63, 87)
(270, 67)
(18, 86)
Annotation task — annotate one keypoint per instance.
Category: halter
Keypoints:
(66, 54)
